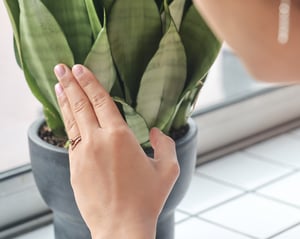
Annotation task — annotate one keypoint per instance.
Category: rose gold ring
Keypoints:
(74, 142)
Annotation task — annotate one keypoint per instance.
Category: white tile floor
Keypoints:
(254, 193)
(251, 194)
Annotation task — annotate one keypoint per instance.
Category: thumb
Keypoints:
(164, 151)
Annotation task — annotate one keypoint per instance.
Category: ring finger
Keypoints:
(69, 120)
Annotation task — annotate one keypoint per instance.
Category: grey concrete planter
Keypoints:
(50, 166)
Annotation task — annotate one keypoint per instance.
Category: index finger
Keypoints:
(105, 108)
(81, 109)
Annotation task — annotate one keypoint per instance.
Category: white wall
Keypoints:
(18, 108)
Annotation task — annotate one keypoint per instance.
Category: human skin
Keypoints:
(251, 28)
(119, 190)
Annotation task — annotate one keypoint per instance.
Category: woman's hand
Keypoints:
(118, 189)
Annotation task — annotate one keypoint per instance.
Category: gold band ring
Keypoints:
(74, 142)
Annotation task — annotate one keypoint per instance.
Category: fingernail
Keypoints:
(77, 70)
(58, 89)
(59, 70)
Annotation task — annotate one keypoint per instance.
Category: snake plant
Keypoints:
(151, 55)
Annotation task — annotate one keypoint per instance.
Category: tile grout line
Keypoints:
(266, 159)
(220, 181)
(184, 220)
(283, 231)
(184, 212)
(198, 214)
(188, 216)
(219, 204)
(225, 227)
(244, 192)
(252, 190)
(277, 200)
(275, 180)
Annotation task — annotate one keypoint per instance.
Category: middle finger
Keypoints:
(81, 108)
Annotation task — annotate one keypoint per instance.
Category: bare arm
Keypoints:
(250, 28)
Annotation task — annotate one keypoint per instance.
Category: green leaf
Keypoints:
(182, 115)
(102, 6)
(13, 10)
(43, 46)
(176, 10)
(185, 108)
(201, 45)
(107, 4)
(52, 115)
(17, 53)
(177, 114)
(54, 122)
(195, 92)
(160, 4)
(134, 31)
(94, 20)
(72, 17)
(100, 61)
(135, 122)
(166, 17)
(163, 80)
(117, 90)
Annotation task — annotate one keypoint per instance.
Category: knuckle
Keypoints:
(118, 135)
(174, 168)
(63, 102)
(66, 80)
(91, 145)
(170, 139)
(171, 142)
(79, 105)
(70, 124)
(84, 80)
(167, 140)
(99, 100)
